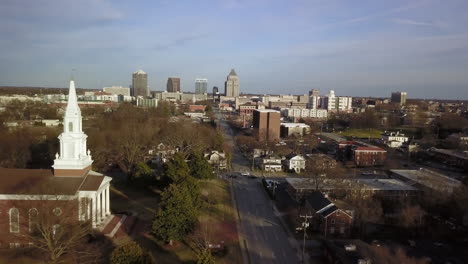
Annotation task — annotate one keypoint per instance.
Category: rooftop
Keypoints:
(370, 149)
(360, 184)
(267, 111)
(43, 182)
(429, 178)
(451, 152)
(295, 125)
(233, 73)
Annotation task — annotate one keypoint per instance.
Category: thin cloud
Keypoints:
(178, 42)
(413, 22)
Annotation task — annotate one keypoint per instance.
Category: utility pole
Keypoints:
(305, 224)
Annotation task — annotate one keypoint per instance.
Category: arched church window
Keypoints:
(14, 220)
(33, 213)
(70, 126)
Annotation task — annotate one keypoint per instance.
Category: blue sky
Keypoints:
(356, 48)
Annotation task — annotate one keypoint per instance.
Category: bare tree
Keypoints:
(53, 228)
(321, 168)
(384, 255)
(412, 216)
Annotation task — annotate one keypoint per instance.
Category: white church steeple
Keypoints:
(74, 159)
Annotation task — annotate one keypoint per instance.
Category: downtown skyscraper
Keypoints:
(173, 85)
(231, 85)
(201, 86)
(140, 84)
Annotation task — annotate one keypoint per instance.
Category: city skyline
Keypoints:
(361, 49)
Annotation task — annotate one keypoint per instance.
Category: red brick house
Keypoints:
(70, 189)
(327, 217)
(369, 156)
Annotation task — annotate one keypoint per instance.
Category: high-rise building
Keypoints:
(331, 102)
(314, 102)
(314, 92)
(231, 85)
(140, 84)
(201, 86)
(399, 98)
(215, 90)
(266, 123)
(173, 85)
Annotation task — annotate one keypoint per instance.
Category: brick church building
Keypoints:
(69, 189)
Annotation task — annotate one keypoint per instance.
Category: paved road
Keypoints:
(263, 238)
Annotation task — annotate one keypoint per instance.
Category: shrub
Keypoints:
(128, 253)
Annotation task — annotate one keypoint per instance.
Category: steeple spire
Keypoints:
(75, 158)
(72, 105)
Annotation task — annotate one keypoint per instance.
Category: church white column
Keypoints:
(98, 207)
(94, 211)
(88, 209)
(103, 205)
(80, 209)
(108, 212)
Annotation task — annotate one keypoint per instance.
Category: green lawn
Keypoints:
(360, 133)
(216, 222)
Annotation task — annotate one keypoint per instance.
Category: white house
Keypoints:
(394, 139)
(295, 163)
(217, 159)
(272, 164)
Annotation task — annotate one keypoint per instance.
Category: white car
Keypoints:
(245, 173)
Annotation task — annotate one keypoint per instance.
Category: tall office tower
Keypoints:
(314, 102)
(201, 86)
(140, 84)
(231, 85)
(173, 85)
(266, 123)
(331, 101)
(314, 92)
(215, 90)
(399, 98)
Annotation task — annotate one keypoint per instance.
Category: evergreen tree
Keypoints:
(177, 170)
(143, 171)
(200, 168)
(192, 188)
(176, 216)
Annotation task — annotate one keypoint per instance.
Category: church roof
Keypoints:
(92, 182)
(43, 182)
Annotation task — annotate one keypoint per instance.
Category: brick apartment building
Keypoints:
(369, 156)
(360, 155)
(266, 123)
